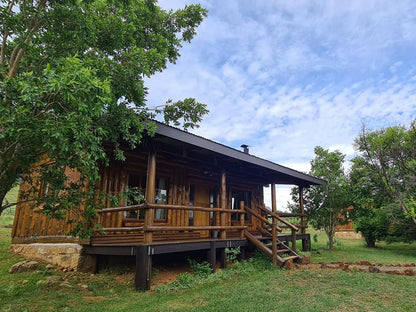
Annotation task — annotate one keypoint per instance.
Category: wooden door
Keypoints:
(201, 199)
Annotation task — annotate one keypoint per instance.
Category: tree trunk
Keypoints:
(371, 242)
(330, 239)
(3, 205)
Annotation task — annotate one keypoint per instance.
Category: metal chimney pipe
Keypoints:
(245, 148)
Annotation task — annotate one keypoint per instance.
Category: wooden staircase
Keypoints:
(278, 251)
(283, 253)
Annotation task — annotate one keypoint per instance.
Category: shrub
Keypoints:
(200, 269)
(232, 254)
(373, 225)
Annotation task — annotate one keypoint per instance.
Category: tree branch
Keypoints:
(5, 35)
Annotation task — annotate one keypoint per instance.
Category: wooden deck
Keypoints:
(132, 244)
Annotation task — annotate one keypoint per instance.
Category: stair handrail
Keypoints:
(258, 216)
(274, 215)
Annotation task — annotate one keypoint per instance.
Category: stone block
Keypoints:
(24, 266)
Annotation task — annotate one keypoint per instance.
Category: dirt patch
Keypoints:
(95, 299)
(348, 235)
(165, 275)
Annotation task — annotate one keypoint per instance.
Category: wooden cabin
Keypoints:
(347, 225)
(197, 195)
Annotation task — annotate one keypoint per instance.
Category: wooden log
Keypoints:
(217, 214)
(196, 208)
(293, 240)
(223, 234)
(258, 244)
(150, 193)
(105, 190)
(121, 229)
(155, 228)
(279, 218)
(274, 224)
(290, 215)
(303, 219)
(264, 231)
(259, 216)
(124, 208)
(212, 256)
(143, 268)
(242, 215)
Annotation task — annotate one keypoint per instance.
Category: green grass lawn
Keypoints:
(255, 286)
(355, 250)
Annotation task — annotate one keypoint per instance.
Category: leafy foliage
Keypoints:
(232, 254)
(383, 184)
(200, 269)
(373, 225)
(390, 154)
(72, 79)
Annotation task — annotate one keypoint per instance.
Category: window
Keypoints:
(136, 188)
(191, 203)
(236, 198)
(212, 204)
(161, 197)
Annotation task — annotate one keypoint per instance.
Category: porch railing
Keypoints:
(149, 228)
(271, 222)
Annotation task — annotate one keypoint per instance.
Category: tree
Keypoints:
(368, 194)
(382, 181)
(391, 154)
(325, 204)
(73, 78)
(372, 223)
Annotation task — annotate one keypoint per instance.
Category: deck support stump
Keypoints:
(223, 259)
(143, 268)
(212, 256)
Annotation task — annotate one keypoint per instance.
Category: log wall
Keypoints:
(114, 180)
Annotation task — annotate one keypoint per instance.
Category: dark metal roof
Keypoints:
(203, 143)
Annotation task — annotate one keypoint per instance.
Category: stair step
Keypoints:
(290, 258)
(280, 251)
(278, 243)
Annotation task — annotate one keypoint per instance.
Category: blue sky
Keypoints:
(286, 76)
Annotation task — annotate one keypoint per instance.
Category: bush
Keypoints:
(232, 254)
(200, 269)
(373, 225)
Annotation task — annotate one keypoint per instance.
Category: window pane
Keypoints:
(161, 197)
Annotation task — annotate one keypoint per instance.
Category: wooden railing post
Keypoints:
(274, 223)
(293, 240)
(223, 216)
(302, 219)
(150, 195)
(242, 216)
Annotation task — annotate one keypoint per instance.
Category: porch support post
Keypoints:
(274, 223)
(242, 216)
(294, 240)
(150, 194)
(143, 268)
(223, 258)
(305, 246)
(223, 216)
(212, 256)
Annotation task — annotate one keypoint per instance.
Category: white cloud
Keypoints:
(285, 76)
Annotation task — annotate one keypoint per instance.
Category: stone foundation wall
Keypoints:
(67, 255)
